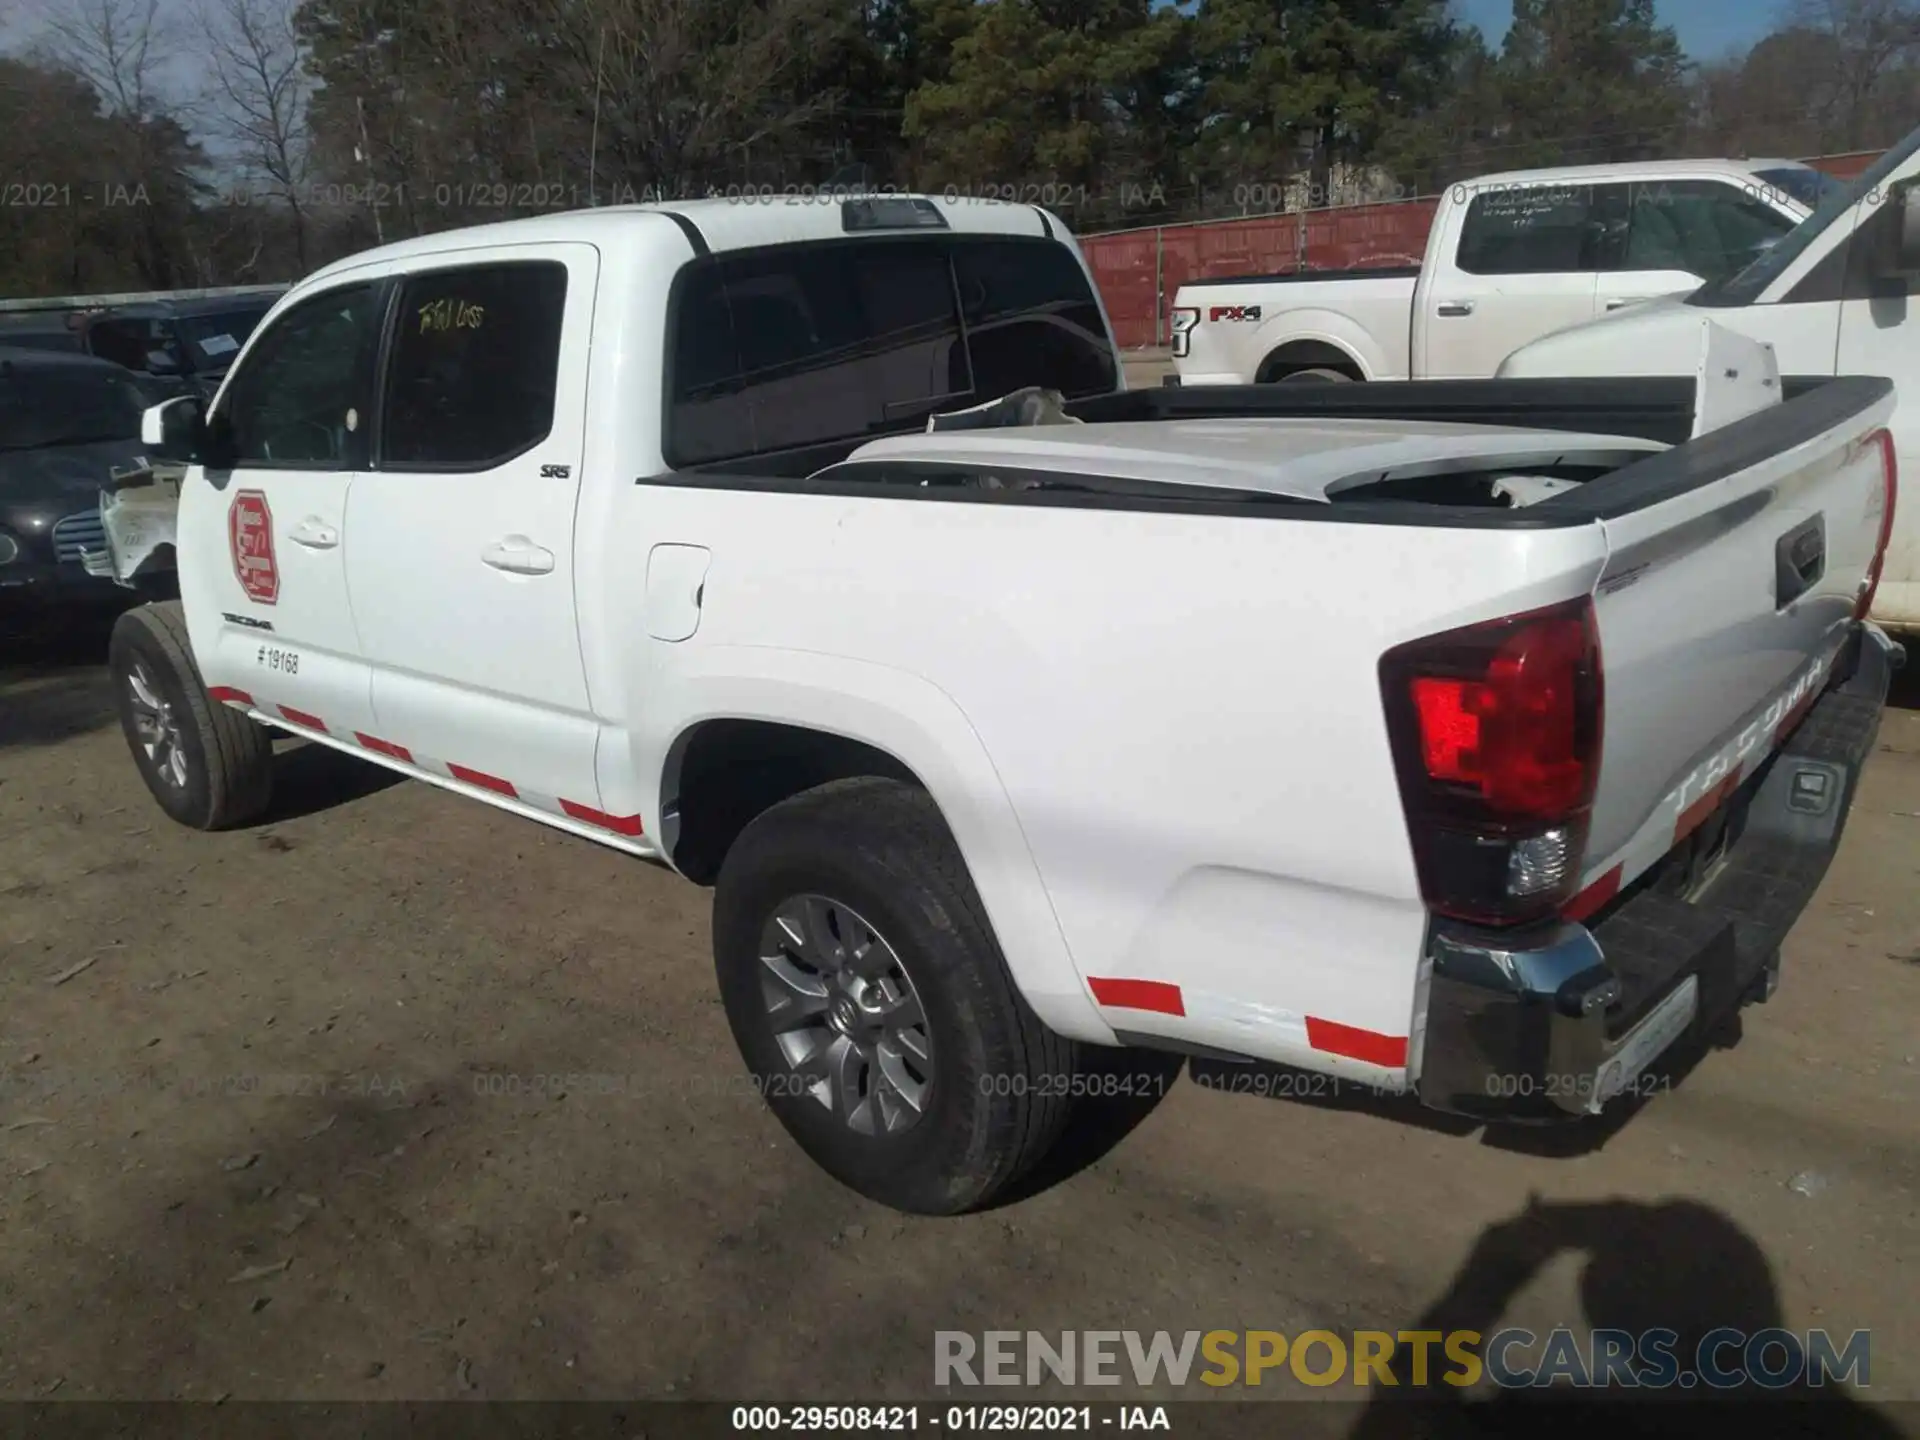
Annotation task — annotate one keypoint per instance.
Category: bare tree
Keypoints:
(259, 87)
(1870, 48)
(119, 47)
(691, 88)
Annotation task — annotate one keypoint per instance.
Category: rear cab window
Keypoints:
(803, 345)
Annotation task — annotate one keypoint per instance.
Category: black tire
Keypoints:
(1314, 374)
(226, 757)
(998, 1094)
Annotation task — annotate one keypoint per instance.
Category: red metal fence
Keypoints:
(1135, 268)
(1140, 271)
(1845, 167)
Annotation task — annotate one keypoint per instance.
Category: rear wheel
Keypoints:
(207, 765)
(1317, 374)
(872, 1005)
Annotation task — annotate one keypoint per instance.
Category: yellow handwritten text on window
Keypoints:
(450, 314)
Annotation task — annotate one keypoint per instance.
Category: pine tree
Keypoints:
(1297, 85)
(1590, 81)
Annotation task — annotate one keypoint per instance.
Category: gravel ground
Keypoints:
(276, 1122)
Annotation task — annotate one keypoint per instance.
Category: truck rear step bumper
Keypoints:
(1552, 1023)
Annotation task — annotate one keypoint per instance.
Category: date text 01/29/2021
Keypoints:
(884, 1419)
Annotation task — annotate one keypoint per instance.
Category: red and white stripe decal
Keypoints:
(627, 826)
(1153, 995)
(384, 747)
(619, 824)
(483, 780)
(1389, 1052)
(1693, 802)
(1329, 1037)
(1596, 895)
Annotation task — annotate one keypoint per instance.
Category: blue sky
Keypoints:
(1707, 28)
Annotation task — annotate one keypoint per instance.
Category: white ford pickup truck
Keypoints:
(1837, 297)
(1480, 740)
(1509, 258)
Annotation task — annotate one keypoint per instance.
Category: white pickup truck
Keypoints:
(1509, 258)
(1837, 297)
(1476, 740)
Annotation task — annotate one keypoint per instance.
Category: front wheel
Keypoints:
(208, 766)
(871, 1003)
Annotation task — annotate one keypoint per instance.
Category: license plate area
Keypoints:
(1629, 1057)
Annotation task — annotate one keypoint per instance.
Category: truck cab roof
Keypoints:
(710, 225)
(1647, 170)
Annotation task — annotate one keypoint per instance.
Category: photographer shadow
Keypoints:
(1677, 1266)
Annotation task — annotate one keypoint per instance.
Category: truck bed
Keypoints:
(1656, 410)
(1259, 327)
(1678, 543)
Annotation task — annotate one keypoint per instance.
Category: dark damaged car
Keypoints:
(69, 429)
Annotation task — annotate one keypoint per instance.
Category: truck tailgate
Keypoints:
(1722, 610)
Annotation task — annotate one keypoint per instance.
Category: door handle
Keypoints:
(517, 555)
(1620, 302)
(1454, 307)
(315, 534)
(1799, 560)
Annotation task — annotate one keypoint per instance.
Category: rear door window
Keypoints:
(1530, 230)
(810, 344)
(475, 362)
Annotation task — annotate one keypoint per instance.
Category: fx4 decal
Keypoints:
(1234, 312)
(555, 472)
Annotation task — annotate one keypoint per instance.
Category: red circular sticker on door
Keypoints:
(250, 536)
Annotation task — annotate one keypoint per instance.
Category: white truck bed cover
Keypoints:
(1297, 459)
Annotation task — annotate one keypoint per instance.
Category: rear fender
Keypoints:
(1328, 328)
(922, 728)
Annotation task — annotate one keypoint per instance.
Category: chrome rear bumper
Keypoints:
(1552, 1022)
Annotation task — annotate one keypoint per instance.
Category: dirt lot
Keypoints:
(259, 1147)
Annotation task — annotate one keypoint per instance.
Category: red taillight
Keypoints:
(1496, 731)
(1890, 477)
(1450, 714)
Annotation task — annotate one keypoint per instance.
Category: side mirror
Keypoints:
(178, 430)
(169, 426)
